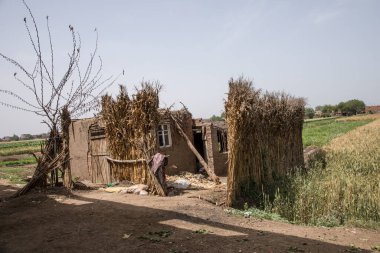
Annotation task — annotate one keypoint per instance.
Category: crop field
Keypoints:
(15, 175)
(346, 191)
(20, 147)
(319, 133)
(16, 162)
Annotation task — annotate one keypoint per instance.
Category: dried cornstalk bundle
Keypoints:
(264, 139)
(130, 128)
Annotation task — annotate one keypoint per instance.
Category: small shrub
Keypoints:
(327, 221)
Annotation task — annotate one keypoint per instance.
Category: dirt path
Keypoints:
(96, 221)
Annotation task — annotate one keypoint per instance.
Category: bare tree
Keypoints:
(57, 99)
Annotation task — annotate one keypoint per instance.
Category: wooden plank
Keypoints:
(100, 170)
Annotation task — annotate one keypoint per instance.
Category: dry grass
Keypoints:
(130, 129)
(347, 191)
(363, 117)
(264, 139)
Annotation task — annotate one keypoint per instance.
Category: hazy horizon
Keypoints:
(325, 51)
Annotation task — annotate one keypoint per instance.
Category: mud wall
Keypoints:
(216, 159)
(79, 148)
(180, 156)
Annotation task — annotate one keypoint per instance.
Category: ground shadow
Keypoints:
(38, 223)
(7, 191)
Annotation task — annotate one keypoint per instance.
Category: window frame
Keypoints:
(161, 132)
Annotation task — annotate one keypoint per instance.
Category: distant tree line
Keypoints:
(15, 137)
(347, 108)
(218, 118)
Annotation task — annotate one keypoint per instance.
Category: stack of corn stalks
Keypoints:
(45, 164)
(264, 139)
(130, 128)
(54, 159)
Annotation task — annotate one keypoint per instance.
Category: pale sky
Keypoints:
(326, 51)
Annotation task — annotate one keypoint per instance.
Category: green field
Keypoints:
(12, 169)
(15, 175)
(20, 147)
(319, 133)
(20, 162)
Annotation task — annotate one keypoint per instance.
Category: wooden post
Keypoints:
(194, 150)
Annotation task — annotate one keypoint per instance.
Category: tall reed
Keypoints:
(264, 140)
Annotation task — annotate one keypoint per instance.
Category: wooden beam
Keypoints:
(209, 171)
(124, 161)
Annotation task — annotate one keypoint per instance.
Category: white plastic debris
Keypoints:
(181, 184)
(143, 192)
(247, 214)
(136, 189)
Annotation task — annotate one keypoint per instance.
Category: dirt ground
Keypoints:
(97, 221)
(13, 157)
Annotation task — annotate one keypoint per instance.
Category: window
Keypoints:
(164, 135)
(97, 132)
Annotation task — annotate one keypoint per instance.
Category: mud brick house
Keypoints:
(89, 152)
(372, 109)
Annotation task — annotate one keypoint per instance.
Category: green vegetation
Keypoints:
(309, 113)
(351, 107)
(201, 231)
(345, 192)
(347, 108)
(15, 175)
(319, 133)
(156, 237)
(218, 118)
(10, 168)
(20, 147)
(255, 213)
(20, 162)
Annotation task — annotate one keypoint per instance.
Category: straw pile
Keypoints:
(264, 140)
(130, 124)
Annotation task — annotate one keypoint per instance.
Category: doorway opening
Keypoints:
(199, 145)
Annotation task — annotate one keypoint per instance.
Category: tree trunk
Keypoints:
(66, 169)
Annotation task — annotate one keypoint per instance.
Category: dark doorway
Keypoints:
(198, 144)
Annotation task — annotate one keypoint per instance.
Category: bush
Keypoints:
(309, 113)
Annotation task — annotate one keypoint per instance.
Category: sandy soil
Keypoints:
(97, 221)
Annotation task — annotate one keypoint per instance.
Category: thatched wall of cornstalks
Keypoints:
(264, 140)
(130, 123)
